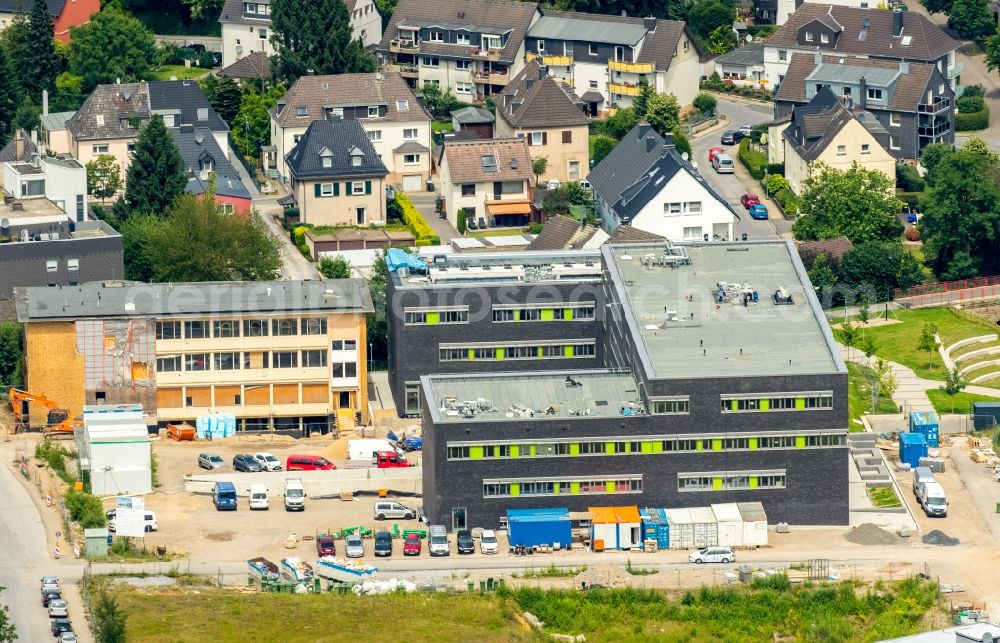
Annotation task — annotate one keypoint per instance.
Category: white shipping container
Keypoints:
(730, 524)
(754, 523)
(681, 528)
(706, 528)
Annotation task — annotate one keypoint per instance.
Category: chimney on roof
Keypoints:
(818, 58)
(529, 83)
(650, 143)
(18, 145)
(897, 22)
(668, 143)
(310, 72)
(863, 98)
(34, 137)
(649, 23)
(543, 71)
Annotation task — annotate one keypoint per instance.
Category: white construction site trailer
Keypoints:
(114, 446)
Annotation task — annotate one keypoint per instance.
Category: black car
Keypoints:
(247, 463)
(217, 59)
(383, 543)
(197, 48)
(50, 595)
(466, 545)
(60, 625)
(730, 137)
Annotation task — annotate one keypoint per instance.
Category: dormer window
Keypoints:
(100, 120)
(874, 93)
(207, 165)
(824, 38)
(402, 105)
(462, 39)
(372, 111)
(356, 161)
(302, 110)
(327, 162)
(492, 42)
(437, 36)
(809, 36)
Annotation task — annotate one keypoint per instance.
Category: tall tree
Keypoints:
(707, 15)
(663, 113)
(252, 126)
(9, 96)
(539, 165)
(316, 35)
(879, 267)
(42, 49)
(202, 7)
(641, 102)
(224, 94)
(112, 30)
(109, 620)
(722, 39)
(972, 18)
(603, 144)
(937, 6)
(11, 351)
(857, 203)
(156, 175)
(104, 177)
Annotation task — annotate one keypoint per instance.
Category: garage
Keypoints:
(412, 183)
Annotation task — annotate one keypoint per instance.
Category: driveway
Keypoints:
(424, 203)
(294, 265)
(733, 186)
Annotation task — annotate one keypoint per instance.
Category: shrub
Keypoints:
(908, 179)
(969, 122)
(788, 201)
(755, 161)
(775, 183)
(970, 104)
(304, 249)
(911, 199)
(776, 168)
(415, 221)
(705, 103)
(85, 509)
(973, 90)
(54, 455)
(912, 234)
(462, 224)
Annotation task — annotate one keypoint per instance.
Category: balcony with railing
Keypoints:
(403, 46)
(934, 130)
(551, 61)
(492, 77)
(625, 89)
(631, 68)
(403, 69)
(485, 54)
(939, 105)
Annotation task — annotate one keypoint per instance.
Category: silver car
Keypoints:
(58, 609)
(355, 547)
(67, 637)
(268, 461)
(210, 461)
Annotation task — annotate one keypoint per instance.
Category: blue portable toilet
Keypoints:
(655, 526)
(912, 447)
(925, 423)
(532, 527)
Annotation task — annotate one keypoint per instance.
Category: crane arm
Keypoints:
(17, 396)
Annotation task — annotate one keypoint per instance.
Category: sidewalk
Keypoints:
(910, 393)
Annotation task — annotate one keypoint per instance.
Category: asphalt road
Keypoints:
(730, 186)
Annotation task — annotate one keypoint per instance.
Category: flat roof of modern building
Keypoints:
(522, 396)
(722, 310)
(243, 298)
(493, 267)
(31, 210)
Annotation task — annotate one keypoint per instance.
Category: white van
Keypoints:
(394, 511)
(295, 495)
(921, 475)
(932, 499)
(723, 164)
(258, 496)
(438, 544)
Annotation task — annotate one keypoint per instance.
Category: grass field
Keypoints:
(958, 403)
(898, 342)
(164, 72)
(826, 612)
(860, 398)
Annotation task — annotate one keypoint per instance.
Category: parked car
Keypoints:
(197, 48)
(308, 463)
(412, 544)
(553, 184)
(258, 497)
(326, 546)
(49, 595)
(438, 544)
(713, 555)
(60, 625)
(267, 461)
(216, 59)
(393, 511)
(50, 582)
(746, 130)
(354, 547)
(149, 523)
(723, 164)
(224, 496)
(67, 637)
(246, 462)
(758, 211)
(58, 608)
(488, 543)
(210, 461)
(713, 151)
(383, 543)
(913, 217)
(465, 543)
(729, 137)
(749, 199)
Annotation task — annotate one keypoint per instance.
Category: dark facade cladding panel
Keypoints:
(414, 350)
(816, 478)
(26, 264)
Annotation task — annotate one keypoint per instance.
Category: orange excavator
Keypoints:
(58, 421)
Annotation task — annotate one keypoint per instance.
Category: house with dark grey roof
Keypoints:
(66, 14)
(337, 177)
(548, 115)
(472, 48)
(246, 27)
(397, 124)
(110, 119)
(851, 32)
(18, 148)
(743, 66)
(605, 58)
(644, 183)
(204, 162)
(913, 102)
(473, 119)
(825, 131)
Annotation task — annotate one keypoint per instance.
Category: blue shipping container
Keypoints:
(531, 527)
(912, 447)
(925, 423)
(655, 526)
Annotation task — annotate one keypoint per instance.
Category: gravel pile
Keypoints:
(938, 537)
(606, 576)
(870, 534)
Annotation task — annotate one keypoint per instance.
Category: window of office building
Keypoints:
(314, 326)
(313, 358)
(284, 327)
(226, 328)
(227, 361)
(168, 364)
(196, 362)
(168, 330)
(196, 330)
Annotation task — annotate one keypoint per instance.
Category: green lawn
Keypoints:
(164, 72)
(898, 342)
(860, 399)
(745, 614)
(884, 497)
(495, 232)
(959, 403)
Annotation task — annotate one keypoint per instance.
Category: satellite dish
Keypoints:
(694, 164)
(684, 156)
(749, 38)
(239, 50)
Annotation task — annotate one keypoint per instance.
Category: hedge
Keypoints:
(754, 161)
(974, 121)
(776, 168)
(971, 104)
(788, 201)
(908, 179)
(422, 231)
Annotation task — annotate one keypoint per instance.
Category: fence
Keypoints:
(947, 286)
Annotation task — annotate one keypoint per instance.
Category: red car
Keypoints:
(712, 151)
(749, 199)
(411, 546)
(308, 463)
(325, 546)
